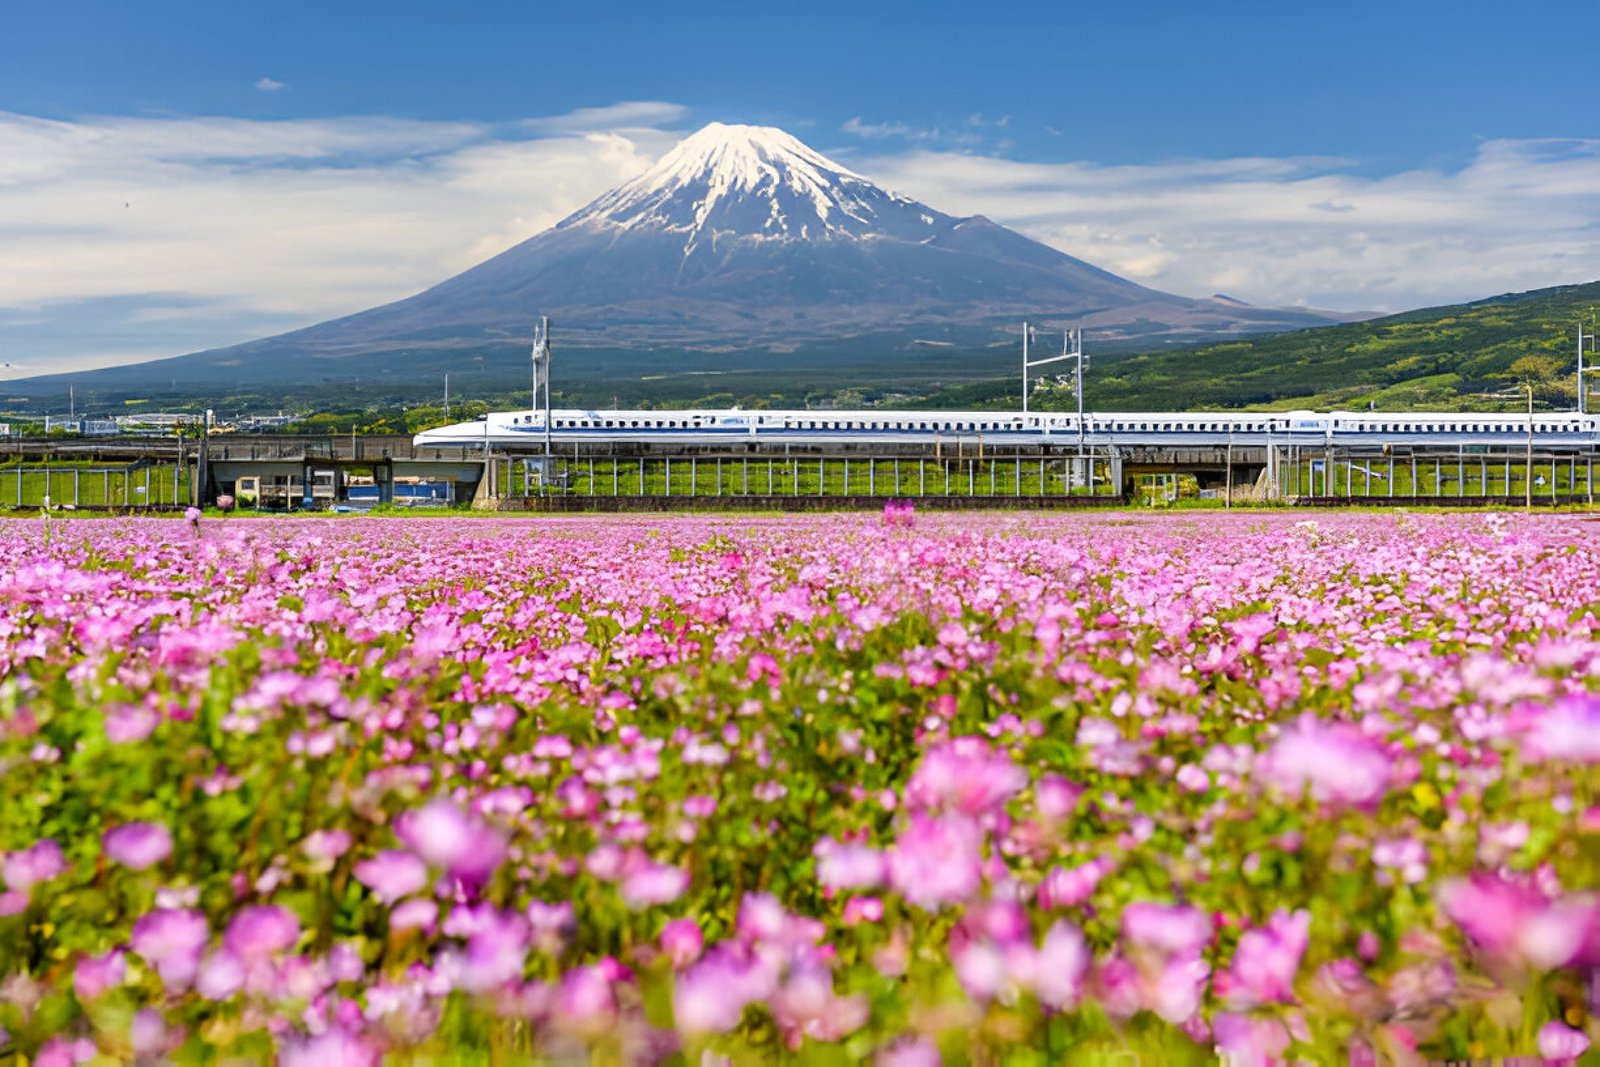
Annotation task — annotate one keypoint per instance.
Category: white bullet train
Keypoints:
(525, 430)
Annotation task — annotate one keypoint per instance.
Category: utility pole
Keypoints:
(447, 394)
(1586, 347)
(1527, 478)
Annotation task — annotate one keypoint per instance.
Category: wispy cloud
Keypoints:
(963, 135)
(874, 131)
(269, 85)
(632, 114)
(1521, 214)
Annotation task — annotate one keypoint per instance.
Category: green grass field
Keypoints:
(90, 486)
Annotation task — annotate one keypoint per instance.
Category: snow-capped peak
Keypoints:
(751, 182)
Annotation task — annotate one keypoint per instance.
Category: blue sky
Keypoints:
(288, 162)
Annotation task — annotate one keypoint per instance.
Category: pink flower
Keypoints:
(1062, 962)
(446, 837)
(336, 1048)
(848, 866)
(1055, 797)
(910, 1052)
(1179, 989)
(148, 1033)
(710, 997)
(171, 939)
(980, 966)
(130, 725)
(965, 775)
(937, 861)
(1250, 1041)
(262, 931)
(28, 868)
(94, 975)
(60, 1052)
(1172, 929)
(1338, 765)
(1557, 1041)
(413, 914)
(392, 875)
(858, 910)
(221, 976)
(1516, 922)
(1568, 732)
(325, 846)
(497, 952)
(654, 883)
(682, 941)
(138, 844)
(585, 1001)
(1068, 887)
(899, 513)
(1267, 959)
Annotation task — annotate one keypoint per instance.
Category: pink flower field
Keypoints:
(827, 789)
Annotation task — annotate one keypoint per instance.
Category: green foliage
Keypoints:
(1471, 357)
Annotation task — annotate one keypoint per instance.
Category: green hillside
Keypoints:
(1469, 356)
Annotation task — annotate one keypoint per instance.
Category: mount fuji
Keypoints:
(741, 239)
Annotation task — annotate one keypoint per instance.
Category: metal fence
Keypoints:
(129, 486)
(828, 477)
(1437, 475)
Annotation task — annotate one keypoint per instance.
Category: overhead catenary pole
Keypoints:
(1025, 331)
(541, 379)
(1586, 347)
(1071, 348)
(1527, 475)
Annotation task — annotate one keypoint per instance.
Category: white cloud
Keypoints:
(1521, 214)
(632, 114)
(248, 227)
(873, 131)
(964, 135)
(269, 85)
(125, 238)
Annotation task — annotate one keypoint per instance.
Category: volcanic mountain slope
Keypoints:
(742, 238)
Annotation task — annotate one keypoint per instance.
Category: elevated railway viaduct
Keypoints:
(127, 472)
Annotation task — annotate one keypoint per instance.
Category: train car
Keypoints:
(517, 430)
